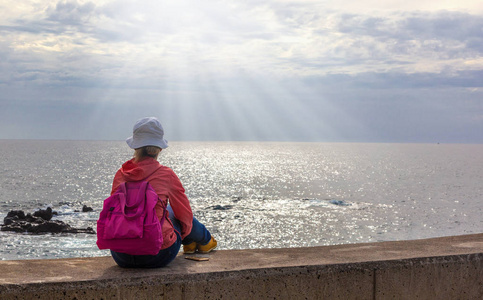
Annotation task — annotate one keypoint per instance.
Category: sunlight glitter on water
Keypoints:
(257, 195)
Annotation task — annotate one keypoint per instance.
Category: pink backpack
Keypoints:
(128, 222)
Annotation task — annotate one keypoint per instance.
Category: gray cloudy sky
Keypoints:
(286, 70)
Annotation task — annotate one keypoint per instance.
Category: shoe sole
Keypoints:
(189, 249)
(207, 251)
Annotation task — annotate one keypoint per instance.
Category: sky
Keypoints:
(279, 70)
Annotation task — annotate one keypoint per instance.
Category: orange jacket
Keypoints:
(168, 187)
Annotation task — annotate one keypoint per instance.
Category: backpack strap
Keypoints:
(122, 192)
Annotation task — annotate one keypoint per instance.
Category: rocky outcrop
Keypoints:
(220, 207)
(38, 223)
(45, 214)
(86, 208)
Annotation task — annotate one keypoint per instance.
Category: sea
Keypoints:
(255, 194)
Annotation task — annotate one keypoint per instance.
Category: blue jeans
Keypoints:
(198, 234)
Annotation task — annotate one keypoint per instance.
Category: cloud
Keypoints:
(293, 39)
(71, 12)
(400, 80)
(442, 32)
(248, 66)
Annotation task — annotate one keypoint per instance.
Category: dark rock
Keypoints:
(219, 207)
(45, 214)
(19, 213)
(32, 219)
(17, 221)
(52, 226)
(9, 220)
(86, 208)
(339, 202)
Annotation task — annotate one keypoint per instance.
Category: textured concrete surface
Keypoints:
(440, 268)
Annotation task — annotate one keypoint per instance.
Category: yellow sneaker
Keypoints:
(190, 248)
(208, 247)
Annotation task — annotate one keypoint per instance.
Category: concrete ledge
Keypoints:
(440, 268)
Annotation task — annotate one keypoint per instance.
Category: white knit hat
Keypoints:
(147, 132)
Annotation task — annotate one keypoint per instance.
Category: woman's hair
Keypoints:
(149, 151)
